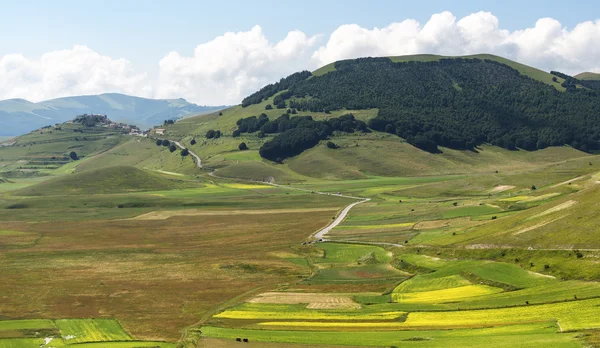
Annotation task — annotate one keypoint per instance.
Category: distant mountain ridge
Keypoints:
(19, 116)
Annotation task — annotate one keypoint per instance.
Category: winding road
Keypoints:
(196, 157)
(320, 235)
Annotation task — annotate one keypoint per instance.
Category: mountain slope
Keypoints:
(513, 105)
(19, 116)
(588, 76)
(457, 103)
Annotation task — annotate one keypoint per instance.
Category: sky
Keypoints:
(218, 52)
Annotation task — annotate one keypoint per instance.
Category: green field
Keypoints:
(91, 330)
(533, 335)
(69, 332)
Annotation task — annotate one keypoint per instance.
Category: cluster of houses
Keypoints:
(104, 121)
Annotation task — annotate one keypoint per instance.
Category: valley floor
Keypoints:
(448, 260)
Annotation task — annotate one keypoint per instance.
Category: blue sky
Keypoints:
(144, 32)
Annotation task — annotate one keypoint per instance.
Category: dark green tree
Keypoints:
(243, 147)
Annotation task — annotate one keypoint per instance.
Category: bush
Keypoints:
(268, 107)
(423, 143)
(331, 145)
(184, 152)
(159, 142)
(236, 133)
(166, 143)
(389, 128)
(172, 148)
(243, 146)
(193, 142)
(73, 156)
(210, 134)
(289, 143)
(217, 134)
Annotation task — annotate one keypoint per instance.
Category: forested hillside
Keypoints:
(456, 103)
(572, 82)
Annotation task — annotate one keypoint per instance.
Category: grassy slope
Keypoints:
(588, 76)
(545, 226)
(385, 155)
(44, 151)
(104, 180)
(359, 156)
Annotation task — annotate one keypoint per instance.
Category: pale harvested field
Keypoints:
(557, 208)
(501, 188)
(464, 221)
(536, 226)
(166, 214)
(565, 182)
(314, 300)
(333, 305)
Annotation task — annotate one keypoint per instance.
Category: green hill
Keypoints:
(43, 151)
(532, 72)
(46, 152)
(120, 179)
(457, 106)
(588, 76)
(457, 103)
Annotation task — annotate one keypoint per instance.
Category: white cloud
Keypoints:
(74, 71)
(548, 45)
(229, 67)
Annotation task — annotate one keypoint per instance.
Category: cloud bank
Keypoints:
(75, 71)
(231, 66)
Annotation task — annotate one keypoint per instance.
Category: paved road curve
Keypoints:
(196, 157)
(321, 234)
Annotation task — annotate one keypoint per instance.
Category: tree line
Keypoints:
(571, 82)
(295, 134)
(271, 89)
